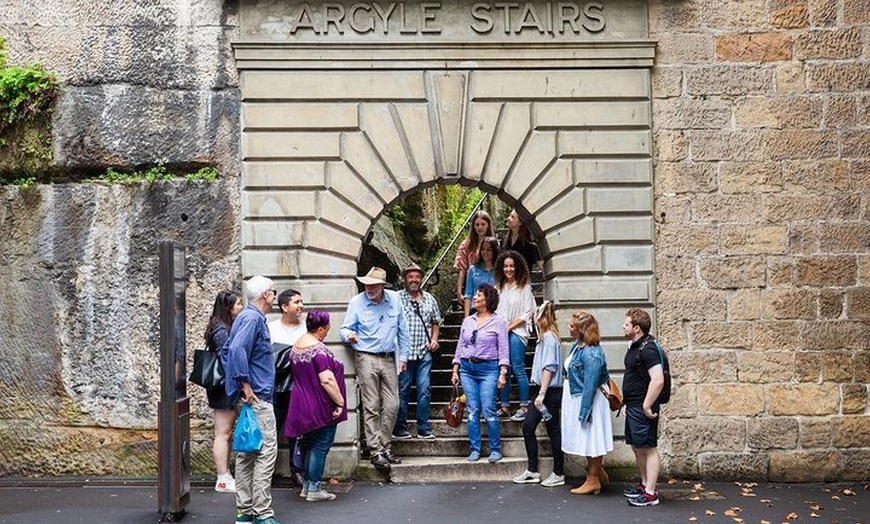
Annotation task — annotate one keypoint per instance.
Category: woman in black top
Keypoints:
(519, 239)
(226, 306)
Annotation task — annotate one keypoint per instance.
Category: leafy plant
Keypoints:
(25, 91)
(153, 174)
(208, 174)
(24, 182)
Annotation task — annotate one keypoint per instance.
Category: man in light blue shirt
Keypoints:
(376, 327)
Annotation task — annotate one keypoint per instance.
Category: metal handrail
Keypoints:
(455, 237)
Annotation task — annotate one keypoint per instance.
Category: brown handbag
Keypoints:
(455, 410)
(614, 396)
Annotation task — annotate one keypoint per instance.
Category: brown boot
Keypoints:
(603, 477)
(591, 486)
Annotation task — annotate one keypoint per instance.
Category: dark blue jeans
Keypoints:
(518, 370)
(318, 443)
(479, 383)
(419, 372)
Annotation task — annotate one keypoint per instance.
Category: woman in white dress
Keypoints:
(586, 426)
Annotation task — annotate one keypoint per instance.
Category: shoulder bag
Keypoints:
(208, 370)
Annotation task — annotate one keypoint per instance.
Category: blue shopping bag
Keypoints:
(247, 437)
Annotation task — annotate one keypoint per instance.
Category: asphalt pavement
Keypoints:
(119, 501)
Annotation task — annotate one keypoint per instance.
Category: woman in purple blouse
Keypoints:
(481, 361)
(317, 404)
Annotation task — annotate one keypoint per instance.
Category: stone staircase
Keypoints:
(443, 459)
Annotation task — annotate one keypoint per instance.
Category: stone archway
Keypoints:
(334, 132)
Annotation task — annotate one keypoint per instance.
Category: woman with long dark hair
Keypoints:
(517, 305)
(519, 238)
(227, 305)
(467, 253)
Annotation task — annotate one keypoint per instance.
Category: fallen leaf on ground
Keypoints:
(765, 522)
(815, 507)
(814, 515)
(694, 497)
(849, 492)
(738, 519)
(698, 487)
(672, 481)
(693, 518)
(709, 513)
(792, 516)
(835, 497)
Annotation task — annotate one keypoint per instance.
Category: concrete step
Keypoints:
(458, 447)
(508, 428)
(457, 469)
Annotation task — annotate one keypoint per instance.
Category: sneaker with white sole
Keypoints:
(320, 496)
(519, 415)
(303, 492)
(225, 484)
(644, 499)
(553, 480)
(528, 477)
(244, 518)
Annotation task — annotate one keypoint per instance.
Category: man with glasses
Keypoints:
(376, 327)
(424, 319)
(250, 379)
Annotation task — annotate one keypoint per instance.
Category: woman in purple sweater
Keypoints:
(481, 361)
(317, 404)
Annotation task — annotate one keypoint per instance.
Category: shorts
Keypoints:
(640, 431)
(217, 399)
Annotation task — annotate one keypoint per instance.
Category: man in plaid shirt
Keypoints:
(423, 318)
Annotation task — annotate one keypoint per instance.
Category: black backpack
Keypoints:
(665, 395)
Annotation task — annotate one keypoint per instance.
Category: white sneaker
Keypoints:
(553, 480)
(225, 484)
(320, 496)
(303, 492)
(528, 478)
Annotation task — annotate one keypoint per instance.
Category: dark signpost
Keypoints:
(173, 419)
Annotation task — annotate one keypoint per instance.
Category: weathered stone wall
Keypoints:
(762, 166)
(761, 116)
(143, 82)
(79, 319)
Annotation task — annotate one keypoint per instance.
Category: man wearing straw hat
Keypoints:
(376, 327)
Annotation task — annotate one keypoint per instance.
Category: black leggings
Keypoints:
(553, 402)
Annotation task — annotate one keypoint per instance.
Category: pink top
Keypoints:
(464, 259)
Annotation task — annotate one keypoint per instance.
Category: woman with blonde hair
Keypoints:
(467, 253)
(548, 403)
(586, 426)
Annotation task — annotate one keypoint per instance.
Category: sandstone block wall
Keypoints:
(143, 82)
(79, 319)
(761, 123)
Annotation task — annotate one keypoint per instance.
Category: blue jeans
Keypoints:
(419, 372)
(517, 369)
(479, 381)
(317, 443)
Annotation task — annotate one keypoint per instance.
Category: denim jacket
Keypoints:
(587, 371)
